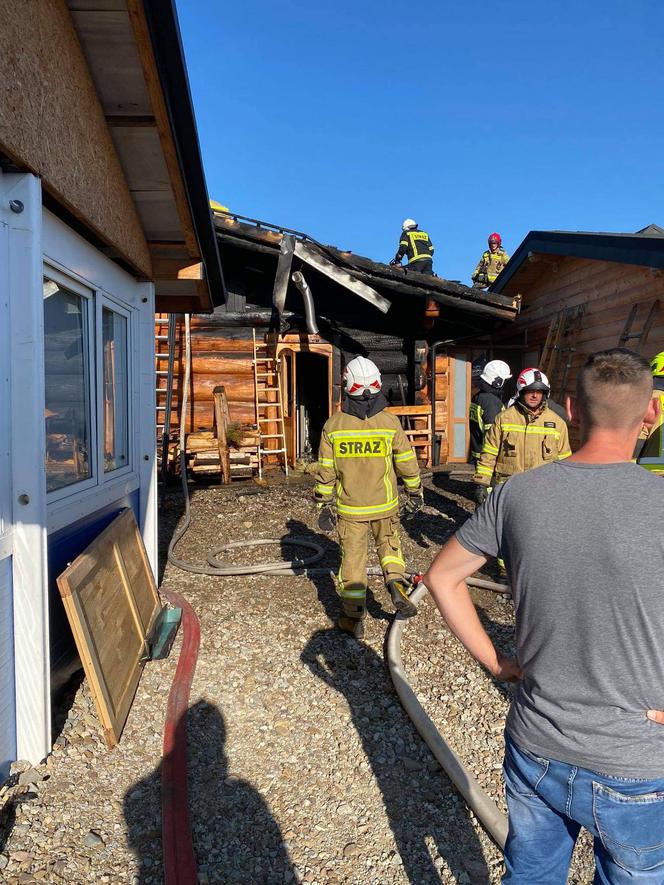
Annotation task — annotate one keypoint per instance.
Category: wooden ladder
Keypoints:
(164, 339)
(268, 396)
(642, 336)
(560, 341)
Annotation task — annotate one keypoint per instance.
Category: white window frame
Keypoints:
(66, 505)
(66, 251)
(70, 282)
(104, 300)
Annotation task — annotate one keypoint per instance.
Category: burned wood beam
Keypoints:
(283, 273)
(313, 258)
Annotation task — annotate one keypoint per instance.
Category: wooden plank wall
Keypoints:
(607, 290)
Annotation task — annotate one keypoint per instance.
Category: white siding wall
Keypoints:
(7, 691)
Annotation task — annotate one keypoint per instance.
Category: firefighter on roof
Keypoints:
(526, 435)
(486, 403)
(651, 453)
(491, 263)
(416, 245)
(361, 448)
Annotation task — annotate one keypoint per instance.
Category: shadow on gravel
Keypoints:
(432, 531)
(236, 838)
(423, 809)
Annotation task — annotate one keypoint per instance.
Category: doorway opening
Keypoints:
(306, 386)
(311, 401)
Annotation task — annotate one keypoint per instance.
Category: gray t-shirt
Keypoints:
(583, 546)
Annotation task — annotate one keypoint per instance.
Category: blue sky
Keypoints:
(342, 118)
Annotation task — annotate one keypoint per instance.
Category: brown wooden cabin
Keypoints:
(406, 322)
(580, 293)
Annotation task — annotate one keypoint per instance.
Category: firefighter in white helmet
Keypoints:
(486, 403)
(362, 449)
(525, 435)
(416, 245)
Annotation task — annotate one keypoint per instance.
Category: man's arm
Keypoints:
(326, 475)
(401, 251)
(445, 581)
(564, 448)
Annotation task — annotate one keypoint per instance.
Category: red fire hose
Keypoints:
(180, 866)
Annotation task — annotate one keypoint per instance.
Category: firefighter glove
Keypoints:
(327, 516)
(414, 501)
(481, 493)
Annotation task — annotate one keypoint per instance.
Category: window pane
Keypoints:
(67, 387)
(116, 402)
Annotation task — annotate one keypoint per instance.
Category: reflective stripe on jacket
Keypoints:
(652, 454)
(520, 440)
(360, 460)
(482, 412)
(491, 264)
(415, 245)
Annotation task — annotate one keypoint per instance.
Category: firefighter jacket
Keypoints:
(415, 245)
(489, 266)
(651, 455)
(484, 408)
(357, 462)
(520, 440)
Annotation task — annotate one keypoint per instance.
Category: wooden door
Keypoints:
(459, 402)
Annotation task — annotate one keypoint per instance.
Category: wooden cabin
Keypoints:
(316, 307)
(104, 215)
(581, 292)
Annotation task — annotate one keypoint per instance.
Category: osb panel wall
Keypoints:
(51, 121)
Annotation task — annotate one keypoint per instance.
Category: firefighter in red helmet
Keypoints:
(491, 263)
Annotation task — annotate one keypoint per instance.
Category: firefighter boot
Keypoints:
(354, 626)
(398, 590)
(351, 619)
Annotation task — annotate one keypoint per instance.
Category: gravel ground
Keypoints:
(303, 766)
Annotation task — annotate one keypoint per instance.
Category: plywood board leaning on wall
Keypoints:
(111, 601)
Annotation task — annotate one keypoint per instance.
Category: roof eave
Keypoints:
(635, 249)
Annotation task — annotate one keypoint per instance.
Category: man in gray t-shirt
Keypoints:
(583, 544)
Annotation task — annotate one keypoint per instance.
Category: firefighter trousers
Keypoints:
(353, 571)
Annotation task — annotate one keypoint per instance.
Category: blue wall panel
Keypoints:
(63, 547)
(7, 685)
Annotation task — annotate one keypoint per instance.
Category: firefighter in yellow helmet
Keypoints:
(651, 450)
(525, 435)
(416, 245)
(362, 449)
(491, 263)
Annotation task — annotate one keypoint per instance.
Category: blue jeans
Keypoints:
(548, 802)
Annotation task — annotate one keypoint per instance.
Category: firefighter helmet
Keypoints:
(496, 237)
(496, 373)
(657, 365)
(362, 375)
(408, 224)
(532, 379)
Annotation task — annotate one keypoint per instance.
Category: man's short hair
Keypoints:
(613, 389)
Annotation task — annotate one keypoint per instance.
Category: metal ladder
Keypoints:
(267, 396)
(164, 353)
